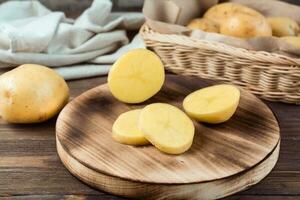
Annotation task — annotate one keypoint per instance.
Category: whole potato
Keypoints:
(283, 26)
(245, 26)
(292, 40)
(204, 25)
(222, 11)
(31, 93)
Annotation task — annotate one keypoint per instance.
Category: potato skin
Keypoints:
(31, 93)
(245, 26)
(283, 26)
(222, 11)
(203, 24)
(292, 40)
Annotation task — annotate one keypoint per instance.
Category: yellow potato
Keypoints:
(136, 76)
(283, 26)
(168, 128)
(204, 25)
(292, 40)
(245, 26)
(215, 104)
(31, 93)
(125, 129)
(221, 12)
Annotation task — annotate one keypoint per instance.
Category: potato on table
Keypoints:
(168, 128)
(283, 26)
(31, 93)
(125, 129)
(204, 25)
(136, 76)
(214, 104)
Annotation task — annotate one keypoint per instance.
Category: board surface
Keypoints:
(207, 190)
(219, 151)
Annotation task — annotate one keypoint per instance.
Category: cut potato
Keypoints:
(283, 26)
(125, 129)
(215, 104)
(292, 40)
(136, 76)
(203, 24)
(245, 26)
(168, 128)
(31, 93)
(222, 11)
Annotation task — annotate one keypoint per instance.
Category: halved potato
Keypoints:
(136, 76)
(214, 104)
(125, 129)
(168, 128)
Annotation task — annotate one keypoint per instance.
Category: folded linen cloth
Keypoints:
(30, 33)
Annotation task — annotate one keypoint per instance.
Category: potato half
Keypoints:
(214, 104)
(168, 128)
(125, 129)
(136, 76)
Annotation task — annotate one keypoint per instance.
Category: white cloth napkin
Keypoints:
(30, 33)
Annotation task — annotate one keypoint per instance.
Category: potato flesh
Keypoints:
(215, 104)
(167, 128)
(31, 93)
(283, 26)
(136, 76)
(125, 129)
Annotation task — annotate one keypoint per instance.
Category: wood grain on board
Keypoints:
(84, 131)
(205, 190)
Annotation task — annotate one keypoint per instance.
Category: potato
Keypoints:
(292, 40)
(168, 128)
(125, 129)
(204, 25)
(136, 76)
(214, 104)
(221, 12)
(245, 26)
(283, 26)
(31, 93)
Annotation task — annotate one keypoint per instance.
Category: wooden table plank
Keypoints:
(31, 169)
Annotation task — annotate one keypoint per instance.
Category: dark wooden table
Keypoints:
(31, 169)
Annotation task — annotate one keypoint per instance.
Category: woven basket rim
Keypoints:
(262, 56)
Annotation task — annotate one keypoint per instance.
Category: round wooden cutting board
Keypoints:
(245, 147)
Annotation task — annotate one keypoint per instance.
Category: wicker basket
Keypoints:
(271, 76)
